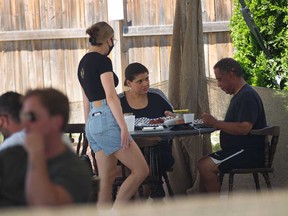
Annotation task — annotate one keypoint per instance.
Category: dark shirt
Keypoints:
(157, 105)
(65, 169)
(91, 66)
(245, 106)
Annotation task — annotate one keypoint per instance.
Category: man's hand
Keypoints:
(34, 144)
(209, 120)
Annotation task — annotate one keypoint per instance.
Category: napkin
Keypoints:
(158, 128)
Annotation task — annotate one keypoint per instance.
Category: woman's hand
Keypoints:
(169, 114)
(125, 138)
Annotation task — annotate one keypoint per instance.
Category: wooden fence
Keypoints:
(42, 41)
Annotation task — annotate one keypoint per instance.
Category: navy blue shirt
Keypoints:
(245, 106)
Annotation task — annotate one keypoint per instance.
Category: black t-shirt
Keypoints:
(157, 105)
(91, 66)
(245, 106)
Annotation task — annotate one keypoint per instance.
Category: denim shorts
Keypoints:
(102, 130)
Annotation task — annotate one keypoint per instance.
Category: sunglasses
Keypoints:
(29, 116)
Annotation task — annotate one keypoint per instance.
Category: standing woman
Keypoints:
(106, 129)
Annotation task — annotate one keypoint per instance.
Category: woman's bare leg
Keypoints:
(107, 172)
(135, 161)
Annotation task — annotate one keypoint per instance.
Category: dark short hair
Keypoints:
(226, 65)
(134, 69)
(53, 100)
(11, 105)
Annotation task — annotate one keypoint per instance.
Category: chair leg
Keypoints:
(167, 182)
(94, 162)
(231, 178)
(221, 177)
(267, 180)
(256, 180)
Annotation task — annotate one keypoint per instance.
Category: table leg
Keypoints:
(155, 173)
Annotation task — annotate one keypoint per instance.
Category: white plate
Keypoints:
(172, 122)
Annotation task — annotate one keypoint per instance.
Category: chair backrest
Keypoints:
(271, 134)
(82, 143)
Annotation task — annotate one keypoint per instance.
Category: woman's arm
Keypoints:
(86, 106)
(162, 95)
(115, 106)
(166, 105)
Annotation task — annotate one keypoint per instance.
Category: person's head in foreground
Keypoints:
(137, 78)
(10, 107)
(229, 75)
(45, 111)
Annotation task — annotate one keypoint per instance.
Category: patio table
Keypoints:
(153, 147)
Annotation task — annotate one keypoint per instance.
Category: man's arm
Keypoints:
(234, 128)
(39, 189)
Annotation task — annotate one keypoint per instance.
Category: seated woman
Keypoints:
(143, 101)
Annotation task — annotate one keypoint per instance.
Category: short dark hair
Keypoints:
(134, 69)
(53, 100)
(226, 65)
(11, 105)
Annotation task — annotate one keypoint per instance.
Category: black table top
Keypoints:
(169, 134)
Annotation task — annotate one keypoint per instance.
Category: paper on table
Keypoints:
(158, 128)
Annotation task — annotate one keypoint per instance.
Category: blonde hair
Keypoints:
(99, 33)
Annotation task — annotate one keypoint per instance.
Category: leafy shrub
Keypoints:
(271, 17)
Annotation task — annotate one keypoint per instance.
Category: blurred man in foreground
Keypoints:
(46, 172)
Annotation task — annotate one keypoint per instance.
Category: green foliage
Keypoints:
(215, 141)
(216, 147)
(271, 17)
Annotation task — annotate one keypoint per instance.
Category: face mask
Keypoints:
(110, 49)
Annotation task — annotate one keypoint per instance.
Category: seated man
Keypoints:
(46, 172)
(10, 107)
(245, 112)
(143, 101)
(11, 127)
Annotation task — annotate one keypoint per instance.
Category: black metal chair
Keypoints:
(271, 140)
(82, 144)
